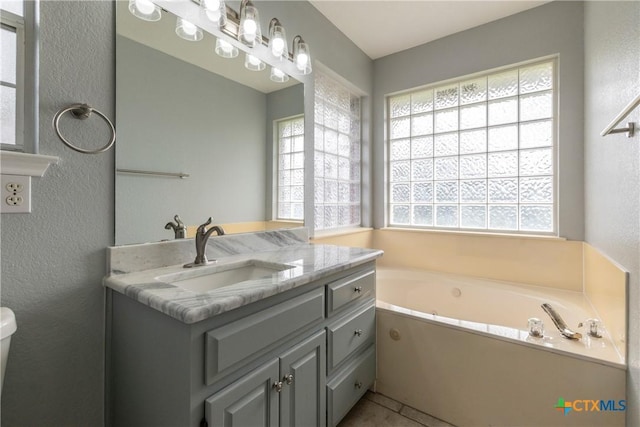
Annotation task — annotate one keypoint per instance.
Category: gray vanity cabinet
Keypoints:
(285, 392)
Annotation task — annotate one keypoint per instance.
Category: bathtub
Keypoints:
(458, 348)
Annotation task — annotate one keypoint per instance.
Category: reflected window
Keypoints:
(290, 202)
(11, 72)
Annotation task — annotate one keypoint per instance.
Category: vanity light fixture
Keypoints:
(278, 76)
(249, 31)
(226, 49)
(278, 40)
(145, 10)
(253, 63)
(215, 11)
(188, 31)
(301, 55)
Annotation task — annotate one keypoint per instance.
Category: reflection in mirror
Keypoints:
(182, 109)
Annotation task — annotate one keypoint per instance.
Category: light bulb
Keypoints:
(145, 7)
(226, 47)
(189, 28)
(249, 27)
(301, 61)
(253, 60)
(277, 46)
(212, 10)
(253, 64)
(212, 4)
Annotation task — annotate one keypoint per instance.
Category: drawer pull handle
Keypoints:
(288, 379)
(277, 386)
(357, 289)
(358, 332)
(358, 384)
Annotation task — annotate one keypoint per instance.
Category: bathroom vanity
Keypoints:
(294, 347)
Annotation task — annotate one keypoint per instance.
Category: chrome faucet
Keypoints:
(202, 237)
(178, 228)
(560, 324)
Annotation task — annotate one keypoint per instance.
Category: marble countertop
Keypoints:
(307, 262)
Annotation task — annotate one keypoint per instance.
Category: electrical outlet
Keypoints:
(16, 194)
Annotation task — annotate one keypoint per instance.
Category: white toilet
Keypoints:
(7, 328)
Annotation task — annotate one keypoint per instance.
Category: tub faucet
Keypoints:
(179, 228)
(202, 237)
(560, 324)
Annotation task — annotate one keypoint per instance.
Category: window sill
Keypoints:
(476, 233)
(340, 232)
(12, 163)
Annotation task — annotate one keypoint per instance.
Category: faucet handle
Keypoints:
(179, 221)
(594, 327)
(202, 227)
(178, 228)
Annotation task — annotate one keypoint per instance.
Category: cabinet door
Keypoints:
(303, 374)
(251, 401)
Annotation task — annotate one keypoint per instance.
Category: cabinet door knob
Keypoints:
(357, 289)
(277, 386)
(358, 332)
(358, 384)
(288, 379)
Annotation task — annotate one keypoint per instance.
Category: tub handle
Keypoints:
(358, 384)
(357, 289)
(358, 332)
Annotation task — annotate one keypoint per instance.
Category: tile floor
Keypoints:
(376, 410)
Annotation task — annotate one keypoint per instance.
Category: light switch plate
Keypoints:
(16, 194)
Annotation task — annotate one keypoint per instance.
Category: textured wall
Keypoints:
(53, 259)
(612, 177)
(545, 30)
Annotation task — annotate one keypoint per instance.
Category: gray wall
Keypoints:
(546, 30)
(612, 163)
(176, 117)
(53, 259)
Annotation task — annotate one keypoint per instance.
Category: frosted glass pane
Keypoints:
(503, 190)
(400, 193)
(355, 171)
(474, 141)
(284, 178)
(285, 145)
(318, 112)
(284, 210)
(355, 105)
(297, 160)
(473, 116)
(8, 114)
(446, 96)
(422, 147)
(400, 149)
(446, 120)
(355, 149)
(422, 170)
(344, 216)
(330, 166)
(285, 161)
(400, 105)
(344, 122)
(330, 117)
(284, 194)
(503, 85)
(536, 134)
(355, 215)
(422, 192)
(355, 194)
(400, 171)
(344, 193)
(503, 138)
(536, 162)
(344, 98)
(446, 144)
(8, 45)
(446, 192)
(331, 141)
(297, 194)
(474, 166)
(318, 138)
(536, 218)
(285, 129)
(536, 77)
(400, 214)
(504, 163)
(331, 191)
(297, 144)
(473, 91)
(473, 216)
(318, 190)
(422, 215)
(536, 106)
(536, 190)
(344, 169)
(447, 216)
(297, 211)
(318, 217)
(446, 168)
(297, 177)
(330, 216)
(318, 166)
(422, 102)
(344, 145)
(503, 111)
(474, 191)
(400, 128)
(422, 124)
(503, 217)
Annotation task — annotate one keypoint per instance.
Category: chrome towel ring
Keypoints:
(82, 112)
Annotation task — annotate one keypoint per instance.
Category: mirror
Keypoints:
(181, 109)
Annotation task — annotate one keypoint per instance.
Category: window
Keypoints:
(337, 155)
(476, 153)
(290, 136)
(12, 51)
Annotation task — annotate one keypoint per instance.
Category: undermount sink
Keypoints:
(210, 278)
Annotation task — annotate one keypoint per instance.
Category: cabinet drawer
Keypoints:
(360, 285)
(349, 385)
(233, 345)
(351, 332)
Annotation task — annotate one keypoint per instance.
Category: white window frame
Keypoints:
(16, 23)
(276, 139)
(554, 148)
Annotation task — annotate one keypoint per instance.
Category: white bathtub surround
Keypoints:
(308, 262)
(473, 363)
